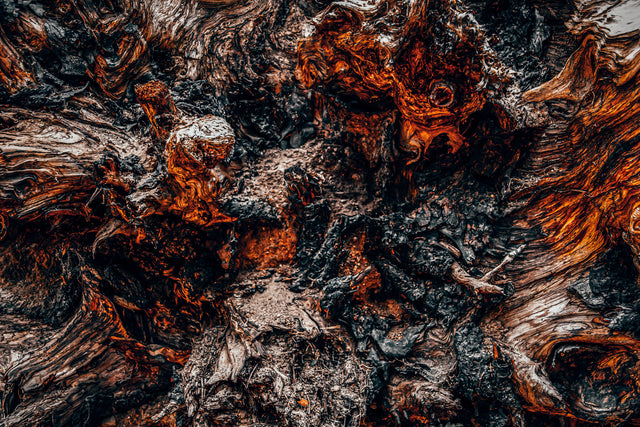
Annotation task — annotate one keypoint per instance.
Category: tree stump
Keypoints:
(317, 213)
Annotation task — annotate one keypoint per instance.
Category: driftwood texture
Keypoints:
(315, 213)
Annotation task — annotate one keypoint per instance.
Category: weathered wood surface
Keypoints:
(319, 213)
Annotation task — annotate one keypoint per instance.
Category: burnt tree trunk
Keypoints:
(306, 213)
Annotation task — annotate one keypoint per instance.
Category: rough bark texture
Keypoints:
(315, 213)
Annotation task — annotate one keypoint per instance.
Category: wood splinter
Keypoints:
(482, 285)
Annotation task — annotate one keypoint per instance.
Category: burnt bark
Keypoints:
(317, 213)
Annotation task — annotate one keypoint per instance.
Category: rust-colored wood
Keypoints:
(319, 213)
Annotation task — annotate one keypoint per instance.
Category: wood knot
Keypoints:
(441, 94)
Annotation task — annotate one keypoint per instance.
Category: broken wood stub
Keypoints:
(155, 100)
